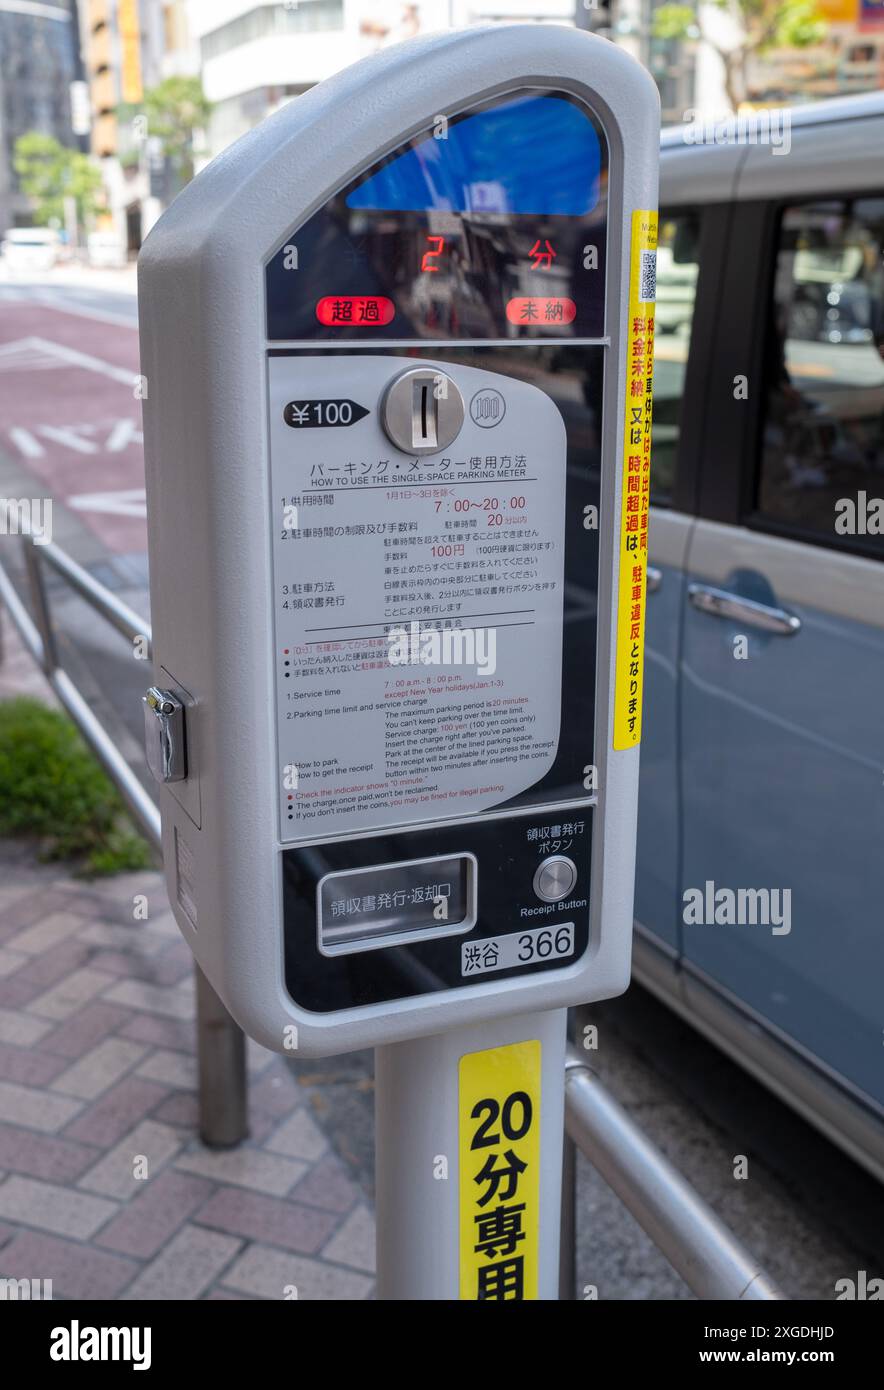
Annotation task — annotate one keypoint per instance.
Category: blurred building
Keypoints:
(255, 57)
(850, 60)
(129, 46)
(39, 63)
(674, 64)
(690, 74)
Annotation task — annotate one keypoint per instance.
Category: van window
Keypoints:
(822, 457)
(677, 269)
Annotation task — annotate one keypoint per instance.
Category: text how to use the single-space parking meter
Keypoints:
(398, 348)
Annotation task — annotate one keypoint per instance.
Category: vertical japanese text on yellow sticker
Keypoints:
(499, 1167)
(632, 541)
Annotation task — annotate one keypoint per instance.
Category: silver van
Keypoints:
(760, 885)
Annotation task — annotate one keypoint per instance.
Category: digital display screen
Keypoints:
(490, 225)
(534, 154)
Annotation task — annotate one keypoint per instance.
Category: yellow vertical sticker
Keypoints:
(633, 538)
(499, 1165)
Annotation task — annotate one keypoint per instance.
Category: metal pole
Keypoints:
(428, 1142)
(21, 619)
(695, 1242)
(223, 1084)
(41, 607)
(568, 1233)
(120, 616)
(141, 805)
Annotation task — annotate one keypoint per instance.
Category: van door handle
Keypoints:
(718, 603)
(655, 579)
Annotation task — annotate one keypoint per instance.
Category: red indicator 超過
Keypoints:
(540, 309)
(355, 310)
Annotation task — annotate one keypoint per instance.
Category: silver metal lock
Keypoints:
(422, 411)
(164, 735)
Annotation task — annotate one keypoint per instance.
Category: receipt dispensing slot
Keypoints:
(393, 904)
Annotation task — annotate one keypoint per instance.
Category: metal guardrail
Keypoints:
(39, 638)
(688, 1233)
(221, 1044)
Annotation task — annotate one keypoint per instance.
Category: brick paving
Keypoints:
(105, 1187)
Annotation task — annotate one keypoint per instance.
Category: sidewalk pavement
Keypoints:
(105, 1187)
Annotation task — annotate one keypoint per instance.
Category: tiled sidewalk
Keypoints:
(105, 1187)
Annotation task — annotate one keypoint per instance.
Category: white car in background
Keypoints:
(30, 248)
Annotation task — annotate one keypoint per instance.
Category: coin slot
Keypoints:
(427, 414)
(422, 411)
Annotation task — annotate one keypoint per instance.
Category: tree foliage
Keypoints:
(50, 172)
(765, 25)
(175, 109)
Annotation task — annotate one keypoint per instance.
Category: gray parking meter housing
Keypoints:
(236, 855)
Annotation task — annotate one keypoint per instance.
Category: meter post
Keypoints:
(397, 344)
(469, 1133)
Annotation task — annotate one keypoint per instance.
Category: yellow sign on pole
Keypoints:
(633, 538)
(129, 27)
(499, 1163)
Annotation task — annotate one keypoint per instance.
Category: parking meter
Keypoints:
(397, 348)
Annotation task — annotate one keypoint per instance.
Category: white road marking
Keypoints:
(124, 432)
(26, 444)
(18, 352)
(121, 433)
(70, 436)
(22, 356)
(132, 502)
(49, 301)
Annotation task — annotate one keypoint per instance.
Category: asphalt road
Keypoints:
(70, 428)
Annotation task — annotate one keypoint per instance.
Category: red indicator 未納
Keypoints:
(541, 309)
(355, 310)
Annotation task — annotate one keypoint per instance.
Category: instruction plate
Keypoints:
(418, 602)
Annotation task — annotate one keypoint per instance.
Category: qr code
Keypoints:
(648, 278)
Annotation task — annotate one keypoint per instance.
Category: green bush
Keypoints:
(52, 788)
